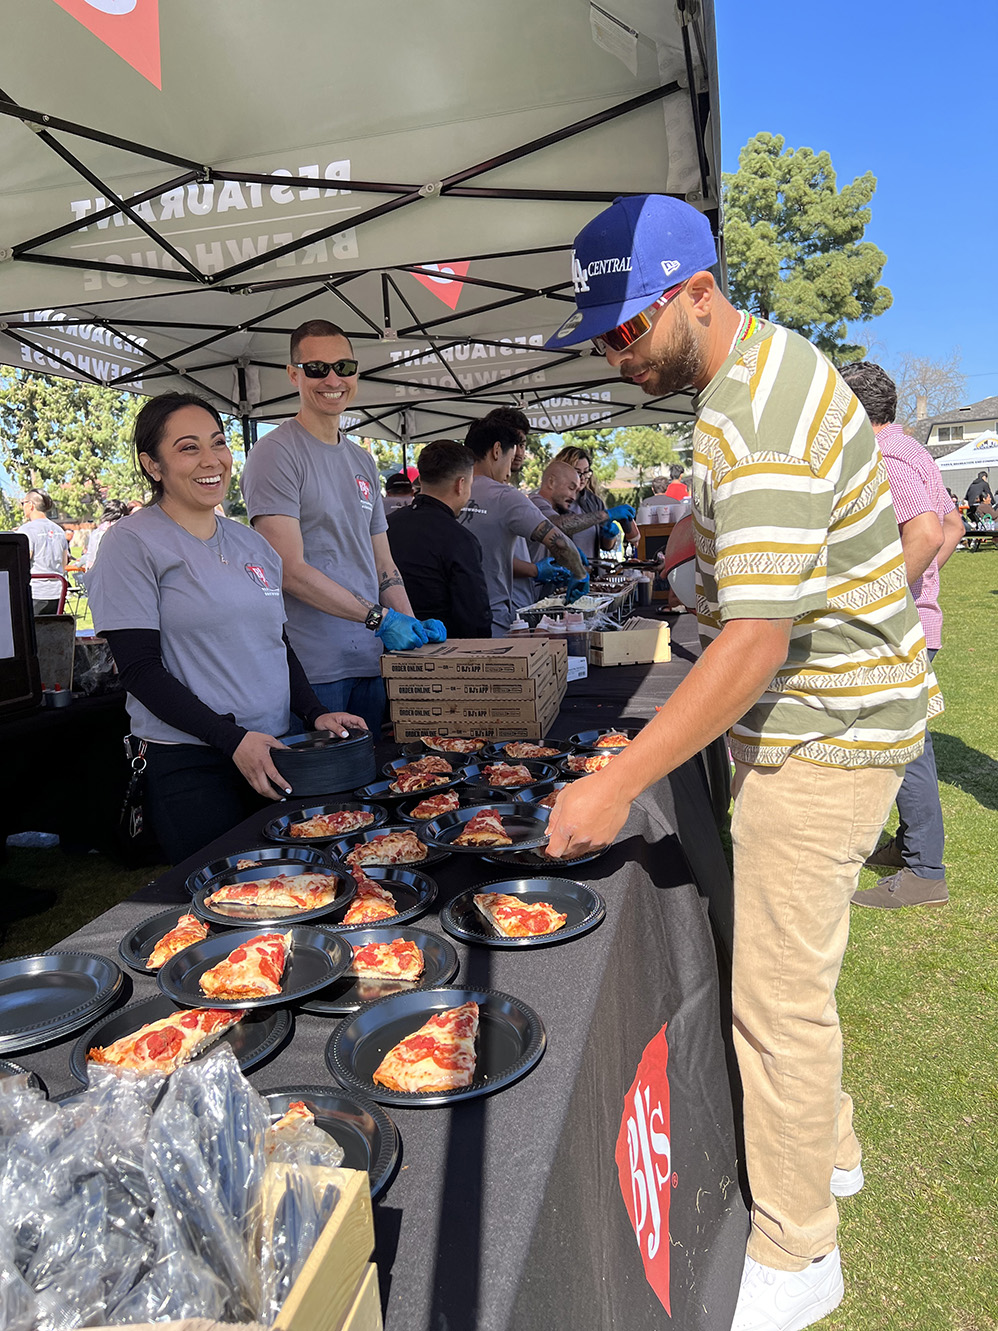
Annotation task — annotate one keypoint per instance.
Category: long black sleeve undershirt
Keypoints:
(138, 656)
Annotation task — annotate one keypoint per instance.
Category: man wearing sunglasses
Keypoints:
(813, 658)
(316, 497)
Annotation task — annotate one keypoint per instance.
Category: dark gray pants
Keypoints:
(920, 831)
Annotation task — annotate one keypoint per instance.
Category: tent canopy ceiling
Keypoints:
(186, 183)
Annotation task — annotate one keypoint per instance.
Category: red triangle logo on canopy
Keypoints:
(129, 27)
(447, 286)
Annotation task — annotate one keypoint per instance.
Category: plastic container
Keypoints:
(519, 628)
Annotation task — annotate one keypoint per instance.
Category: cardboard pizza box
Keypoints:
(432, 688)
(467, 658)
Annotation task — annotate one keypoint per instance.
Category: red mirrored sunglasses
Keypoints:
(627, 333)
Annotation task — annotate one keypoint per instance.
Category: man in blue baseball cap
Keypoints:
(813, 659)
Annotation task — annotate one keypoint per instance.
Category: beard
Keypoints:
(679, 364)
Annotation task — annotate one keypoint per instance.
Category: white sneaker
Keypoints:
(847, 1182)
(772, 1300)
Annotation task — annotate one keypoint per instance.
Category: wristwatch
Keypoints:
(374, 617)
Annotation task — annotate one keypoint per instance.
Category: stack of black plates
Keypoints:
(321, 763)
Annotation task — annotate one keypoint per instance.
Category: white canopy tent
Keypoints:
(187, 182)
(962, 467)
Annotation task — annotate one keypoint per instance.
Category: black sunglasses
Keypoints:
(318, 369)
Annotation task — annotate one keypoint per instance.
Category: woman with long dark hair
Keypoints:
(589, 502)
(190, 604)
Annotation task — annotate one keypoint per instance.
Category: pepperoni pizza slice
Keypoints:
(398, 959)
(251, 970)
(372, 903)
(453, 744)
(298, 1114)
(588, 762)
(431, 762)
(409, 780)
(388, 848)
(504, 774)
(521, 749)
(305, 891)
(548, 802)
(188, 929)
(618, 740)
(440, 1056)
(446, 802)
(515, 918)
(484, 829)
(333, 824)
(162, 1046)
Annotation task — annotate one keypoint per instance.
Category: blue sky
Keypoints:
(907, 90)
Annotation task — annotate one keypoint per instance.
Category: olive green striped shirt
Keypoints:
(793, 520)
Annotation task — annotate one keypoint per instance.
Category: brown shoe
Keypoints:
(904, 889)
(887, 856)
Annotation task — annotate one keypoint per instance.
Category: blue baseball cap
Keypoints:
(625, 258)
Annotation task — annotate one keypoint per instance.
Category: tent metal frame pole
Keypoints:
(89, 219)
(433, 346)
(8, 107)
(686, 18)
(335, 289)
(49, 355)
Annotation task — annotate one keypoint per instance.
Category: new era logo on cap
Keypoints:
(627, 256)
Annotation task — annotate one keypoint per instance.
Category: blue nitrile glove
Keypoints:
(400, 633)
(435, 631)
(609, 530)
(621, 513)
(550, 571)
(577, 587)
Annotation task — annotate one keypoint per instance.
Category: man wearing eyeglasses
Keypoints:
(814, 659)
(316, 497)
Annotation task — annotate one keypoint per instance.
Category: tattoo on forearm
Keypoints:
(390, 579)
(566, 552)
(541, 530)
(570, 523)
(368, 605)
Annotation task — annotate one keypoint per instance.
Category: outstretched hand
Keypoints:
(587, 815)
(338, 723)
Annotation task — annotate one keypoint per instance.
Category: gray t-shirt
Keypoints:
(220, 624)
(334, 491)
(48, 545)
(525, 590)
(497, 514)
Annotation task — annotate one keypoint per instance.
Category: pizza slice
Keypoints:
(298, 1114)
(504, 774)
(188, 929)
(247, 864)
(548, 802)
(453, 744)
(432, 762)
(440, 1056)
(515, 918)
(162, 1046)
(251, 970)
(305, 891)
(388, 848)
(338, 823)
(484, 829)
(372, 903)
(395, 960)
(618, 740)
(409, 780)
(446, 802)
(521, 749)
(588, 762)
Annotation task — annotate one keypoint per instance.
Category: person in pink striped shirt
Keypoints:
(930, 528)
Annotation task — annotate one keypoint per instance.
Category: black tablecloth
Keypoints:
(511, 1211)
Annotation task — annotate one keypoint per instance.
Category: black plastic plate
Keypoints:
(584, 907)
(268, 917)
(349, 993)
(318, 957)
(49, 995)
(414, 893)
(510, 1042)
(369, 1138)
(434, 854)
(138, 943)
(525, 824)
(265, 862)
(279, 829)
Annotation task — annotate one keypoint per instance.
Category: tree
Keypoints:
(646, 448)
(940, 382)
(795, 246)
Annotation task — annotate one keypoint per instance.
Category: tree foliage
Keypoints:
(795, 246)
(73, 440)
(646, 448)
(940, 382)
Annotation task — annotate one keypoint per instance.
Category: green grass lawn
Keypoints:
(919, 1004)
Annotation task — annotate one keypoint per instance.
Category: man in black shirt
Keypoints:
(979, 495)
(439, 559)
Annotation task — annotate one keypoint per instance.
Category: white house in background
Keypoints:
(964, 465)
(945, 433)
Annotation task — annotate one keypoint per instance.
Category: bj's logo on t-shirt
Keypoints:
(644, 1163)
(365, 491)
(260, 578)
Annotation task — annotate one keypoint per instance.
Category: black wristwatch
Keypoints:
(374, 617)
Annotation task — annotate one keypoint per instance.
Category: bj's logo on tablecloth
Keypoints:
(644, 1162)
